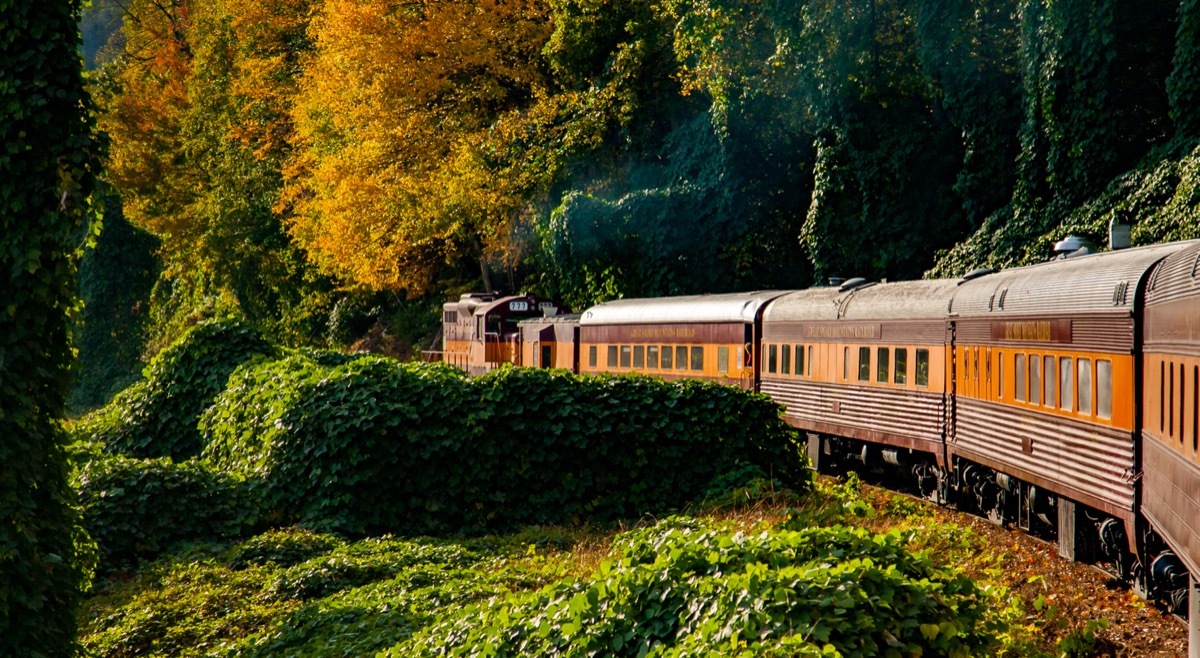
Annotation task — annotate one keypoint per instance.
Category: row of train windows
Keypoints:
(656, 357)
(888, 361)
(1174, 403)
(1053, 382)
(891, 365)
(779, 360)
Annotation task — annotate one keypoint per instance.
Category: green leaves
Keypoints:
(450, 454)
(137, 508)
(47, 163)
(364, 444)
(157, 416)
(686, 588)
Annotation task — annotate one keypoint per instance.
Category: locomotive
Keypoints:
(1059, 397)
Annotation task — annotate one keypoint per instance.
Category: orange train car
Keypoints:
(550, 341)
(1171, 424)
(1045, 419)
(863, 369)
(711, 337)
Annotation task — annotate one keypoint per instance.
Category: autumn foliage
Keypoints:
(595, 148)
(392, 118)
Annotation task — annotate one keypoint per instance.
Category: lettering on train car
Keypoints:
(1033, 331)
(1174, 322)
(842, 331)
(663, 332)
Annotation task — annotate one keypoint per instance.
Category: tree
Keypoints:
(197, 110)
(46, 176)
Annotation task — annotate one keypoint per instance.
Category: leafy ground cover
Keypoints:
(228, 435)
(842, 570)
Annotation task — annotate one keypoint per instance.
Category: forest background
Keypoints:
(334, 170)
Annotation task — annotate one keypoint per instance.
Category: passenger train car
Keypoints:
(867, 374)
(1059, 397)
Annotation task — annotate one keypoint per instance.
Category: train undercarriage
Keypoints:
(1081, 533)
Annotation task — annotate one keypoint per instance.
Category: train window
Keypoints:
(772, 358)
(1051, 380)
(626, 354)
(1084, 385)
(1170, 393)
(882, 361)
(1000, 373)
(652, 357)
(922, 367)
(592, 358)
(1020, 378)
(785, 360)
(864, 364)
(1162, 402)
(901, 376)
(1066, 383)
(846, 363)
(667, 352)
(639, 356)
(1103, 388)
(681, 357)
(1182, 387)
(810, 361)
(612, 356)
(697, 357)
(1035, 379)
(723, 359)
(800, 360)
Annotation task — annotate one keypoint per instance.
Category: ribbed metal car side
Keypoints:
(1171, 391)
(874, 364)
(709, 337)
(1046, 372)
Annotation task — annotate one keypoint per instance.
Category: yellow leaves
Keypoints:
(390, 114)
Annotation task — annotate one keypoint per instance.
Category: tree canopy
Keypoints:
(598, 148)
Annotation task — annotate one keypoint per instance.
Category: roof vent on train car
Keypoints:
(1072, 246)
(851, 284)
(1119, 235)
(975, 274)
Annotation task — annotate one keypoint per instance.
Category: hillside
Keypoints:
(331, 169)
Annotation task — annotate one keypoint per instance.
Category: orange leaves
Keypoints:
(392, 139)
(390, 107)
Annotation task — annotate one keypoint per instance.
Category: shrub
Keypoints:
(157, 416)
(694, 588)
(283, 548)
(136, 508)
(563, 447)
(354, 598)
(376, 445)
(330, 445)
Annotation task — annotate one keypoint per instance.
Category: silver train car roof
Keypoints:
(719, 308)
(907, 300)
(1104, 282)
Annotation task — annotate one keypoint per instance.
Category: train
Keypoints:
(1060, 397)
